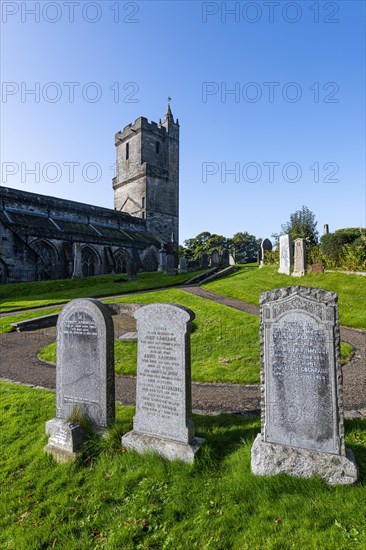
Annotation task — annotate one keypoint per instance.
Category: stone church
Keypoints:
(44, 237)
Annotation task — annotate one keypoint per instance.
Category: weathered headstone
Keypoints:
(285, 254)
(204, 261)
(301, 388)
(183, 265)
(78, 270)
(162, 258)
(215, 259)
(266, 246)
(259, 257)
(84, 375)
(299, 258)
(225, 258)
(131, 270)
(169, 266)
(232, 260)
(163, 400)
(316, 268)
(326, 229)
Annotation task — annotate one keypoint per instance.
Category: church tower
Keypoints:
(147, 175)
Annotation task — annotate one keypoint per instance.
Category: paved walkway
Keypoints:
(19, 363)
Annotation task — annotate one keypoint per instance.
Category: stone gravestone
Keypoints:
(225, 258)
(131, 270)
(259, 257)
(215, 259)
(169, 266)
(204, 261)
(299, 258)
(163, 399)
(78, 270)
(266, 246)
(162, 258)
(301, 388)
(84, 375)
(285, 254)
(183, 266)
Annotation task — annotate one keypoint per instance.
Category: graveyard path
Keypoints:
(19, 363)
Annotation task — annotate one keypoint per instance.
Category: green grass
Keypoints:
(113, 499)
(224, 341)
(20, 296)
(247, 284)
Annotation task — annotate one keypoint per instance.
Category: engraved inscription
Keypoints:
(161, 379)
(299, 349)
(80, 324)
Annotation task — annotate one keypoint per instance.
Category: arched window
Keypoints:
(121, 259)
(150, 261)
(88, 262)
(45, 260)
(3, 272)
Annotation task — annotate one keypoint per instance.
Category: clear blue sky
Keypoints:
(194, 52)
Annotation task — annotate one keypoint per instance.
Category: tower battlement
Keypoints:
(147, 174)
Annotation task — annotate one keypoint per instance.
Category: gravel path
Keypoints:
(19, 363)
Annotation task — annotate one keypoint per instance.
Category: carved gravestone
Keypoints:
(285, 254)
(84, 375)
(183, 265)
(266, 246)
(225, 258)
(163, 422)
(204, 261)
(299, 258)
(162, 258)
(301, 388)
(169, 266)
(215, 259)
(78, 270)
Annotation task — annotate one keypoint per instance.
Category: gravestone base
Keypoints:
(271, 458)
(298, 273)
(65, 439)
(168, 448)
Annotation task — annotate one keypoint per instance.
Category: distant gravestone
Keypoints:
(266, 246)
(285, 254)
(183, 265)
(131, 270)
(215, 259)
(169, 266)
(259, 257)
(301, 387)
(163, 400)
(78, 270)
(232, 260)
(162, 258)
(84, 375)
(299, 258)
(204, 261)
(225, 258)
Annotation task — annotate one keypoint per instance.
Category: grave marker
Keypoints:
(163, 399)
(301, 388)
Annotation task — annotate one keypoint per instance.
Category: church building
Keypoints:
(43, 237)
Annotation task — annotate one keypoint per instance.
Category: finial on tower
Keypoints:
(169, 114)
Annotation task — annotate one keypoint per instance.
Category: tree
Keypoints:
(244, 247)
(302, 225)
(204, 242)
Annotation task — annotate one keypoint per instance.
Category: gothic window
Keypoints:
(127, 151)
(45, 261)
(150, 261)
(143, 202)
(157, 147)
(88, 262)
(120, 261)
(3, 272)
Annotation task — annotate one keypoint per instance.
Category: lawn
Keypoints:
(15, 297)
(115, 499)
(247, 284)
(224, 341)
